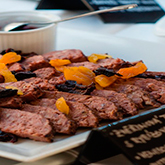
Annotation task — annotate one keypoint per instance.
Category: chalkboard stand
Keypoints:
(140, 138)
(96, 148)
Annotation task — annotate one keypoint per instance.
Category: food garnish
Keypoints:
(98, 87)
(62, 106)
(5, 72)
(19, 92)
(23, 75)
(10, 57)
(81, 75)
(5, 137)
(72, 87)
(105, 81)
(105, 71)
(95, 57)
(7, 92)
(132, 71)
(153, 75)
(59, 64)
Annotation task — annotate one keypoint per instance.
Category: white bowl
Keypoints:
(39, 40)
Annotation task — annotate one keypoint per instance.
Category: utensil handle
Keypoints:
(123, 7)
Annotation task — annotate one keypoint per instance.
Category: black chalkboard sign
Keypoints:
(148, 11)
(140, 138)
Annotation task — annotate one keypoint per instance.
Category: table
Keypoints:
(87, 26)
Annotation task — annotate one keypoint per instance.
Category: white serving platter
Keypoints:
(152, 54)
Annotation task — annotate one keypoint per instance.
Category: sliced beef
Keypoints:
(136, 94)
(16, 67)
(119, 99)
(11, 102)
(30, 91)
(41, 83)
(35, 62)
(45, 73)
(59, 121)
(87, 64)
(111, 63)
(115, 64)
(57, 80)
(73, 55)
(154, 87)
(101, 107)
(83, 116)
(25, 124)
(158, 92)
(78, 112)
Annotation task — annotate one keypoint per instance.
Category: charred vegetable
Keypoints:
(73, 87)
(8, 137)
(105, 71)
(151, 75)
(7, 92)
(11, 50)
(23, 75)
(7, 51)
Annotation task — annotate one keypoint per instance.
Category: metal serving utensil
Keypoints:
(14, 26)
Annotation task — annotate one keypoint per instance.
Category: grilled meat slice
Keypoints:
(11, 102)
(82, 115)
(78, 112)
(115, 63)
(101, 107)
(74, 55)
(154, 87)
(59, 121)
(41, 83)
(135, 93)
(87, 64)
(30, 91)
(34, 63)
(16, 67)
(158, 92)
(111, 63)
(119, 99)
(45, 73)
(25, 124)
(57, 80)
